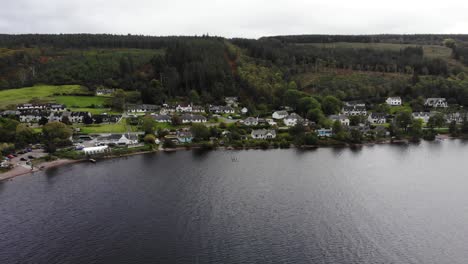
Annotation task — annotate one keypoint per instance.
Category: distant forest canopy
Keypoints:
(262, 72)
(421, 39)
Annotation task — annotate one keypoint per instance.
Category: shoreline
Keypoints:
(20, 170)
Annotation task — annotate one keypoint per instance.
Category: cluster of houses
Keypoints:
(429, 102)
(34, 113)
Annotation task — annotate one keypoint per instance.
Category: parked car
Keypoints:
(10, 156)
(30, 157)
(23, 159)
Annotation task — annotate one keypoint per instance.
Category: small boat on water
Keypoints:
(92, 160)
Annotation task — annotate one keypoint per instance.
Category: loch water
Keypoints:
(375, 204)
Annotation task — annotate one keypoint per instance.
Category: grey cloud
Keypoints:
(241, 18)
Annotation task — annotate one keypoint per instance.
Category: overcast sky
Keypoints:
(234, 18)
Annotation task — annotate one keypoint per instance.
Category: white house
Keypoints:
(189, 118)
(143, 108)
(162, 118)
(354, 110)
(32, 116)
(219, 109)
(344, 120)
(457, 117)
(424, 116)
(57, 107)
(280, 114)
(251, 121)
(393, 101)
(31, 107)
(377, 118)
(271, 122)
(244, 110)
(95, 150)
(184, 108)
(231, 101)
(105, 91)
(436, 102)
(293, 119)
(263, 134)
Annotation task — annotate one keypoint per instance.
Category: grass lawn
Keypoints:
(400, 108)
(82, 101)
(44, 92)
(120, 127)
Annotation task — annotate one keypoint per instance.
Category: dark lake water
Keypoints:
(378, 204)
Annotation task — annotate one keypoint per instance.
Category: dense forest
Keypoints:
(260, 71)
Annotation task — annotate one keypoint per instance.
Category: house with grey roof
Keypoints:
(436, 102)
(162, 118)
(251, 121)
(263, 134)
(280, 114)
(424, 116)
(343, 119)
(293, 119)
(190, 118)
(377, 118)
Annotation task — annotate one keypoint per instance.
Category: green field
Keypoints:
(432, 51)
(82, 101)
(120, 127)
(12, 97)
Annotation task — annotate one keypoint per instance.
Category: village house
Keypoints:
(56, 107)
(117, 139)
(424, 116)
(251, 121)
(142, 108)
(162, 118)
(457, 117)
(354, 110)
(279, 114)
(32, 116)
(22, 107)
(231, 101)
(55, 117)
(198, 109)
(293, 119)
(394, 101)
(344, 120)
(10, 113)
(167, 109)
(377, 118)
(104, 91)
(263, 134)
(324, 132)
(184, 136)
(105, 118)
(436, 102)
(218, 109)
(184, 108)
(189, 118)
(271, 122)
(76, 117)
